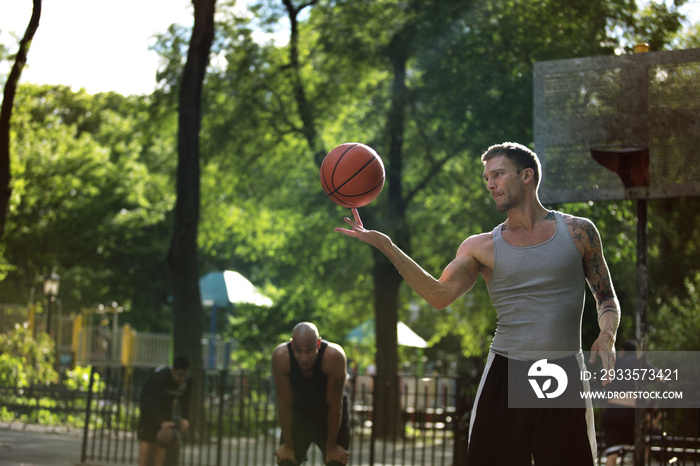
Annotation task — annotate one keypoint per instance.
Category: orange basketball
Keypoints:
(167, 436)
(352, 174)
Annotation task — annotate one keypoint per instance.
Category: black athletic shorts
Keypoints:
(306, 431)
(618, 426)
(147, 430)
(503, 436)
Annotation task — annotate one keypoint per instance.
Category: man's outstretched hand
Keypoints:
(357, 230)
(356, 227)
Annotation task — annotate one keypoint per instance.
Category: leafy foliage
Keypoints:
(85, 200)
(26, 361)
(673, 324)
(94, 175)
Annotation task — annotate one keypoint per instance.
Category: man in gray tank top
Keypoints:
(535, 265)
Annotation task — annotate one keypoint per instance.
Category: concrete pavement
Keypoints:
(28, 445)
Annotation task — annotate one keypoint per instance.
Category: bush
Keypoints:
(79, 379)
(26, 361)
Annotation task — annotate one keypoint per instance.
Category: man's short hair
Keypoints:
(520, 155)
(181, 362)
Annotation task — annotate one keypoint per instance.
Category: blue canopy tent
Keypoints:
(404, 335)
(228, 287)
(366, 332)
(222, 288)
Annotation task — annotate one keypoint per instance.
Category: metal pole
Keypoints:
(86, 428)
(212, 331)
(641, 322)
(48, 315)
(115, 327)
(220, 420)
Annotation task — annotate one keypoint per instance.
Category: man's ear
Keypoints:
(528, 175)
(319, 342)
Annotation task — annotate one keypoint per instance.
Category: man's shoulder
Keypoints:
(280, 350)
(574, 222)
(334, 349)
(479, 247)
(478, 240)
(334, 358)
(581, 228)
(280, 357)
(161, 373)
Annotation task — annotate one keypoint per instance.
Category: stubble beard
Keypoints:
(511, 200)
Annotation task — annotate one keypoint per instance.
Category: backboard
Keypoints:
(648, 100)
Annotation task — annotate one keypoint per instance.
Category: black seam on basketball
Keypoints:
(326, 187)
(364, 192)
(337, 162)
(369, 162)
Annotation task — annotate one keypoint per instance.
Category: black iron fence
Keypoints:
(235, 423)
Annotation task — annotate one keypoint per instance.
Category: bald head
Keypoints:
(304, 331)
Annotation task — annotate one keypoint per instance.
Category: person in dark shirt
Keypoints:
(163, 389)
(310, 376)
(619, 413)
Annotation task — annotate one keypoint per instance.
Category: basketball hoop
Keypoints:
(631, 163)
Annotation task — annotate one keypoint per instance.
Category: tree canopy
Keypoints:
(429, 84)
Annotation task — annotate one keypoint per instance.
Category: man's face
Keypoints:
(179, 375)
(504, 183)
(305, 351)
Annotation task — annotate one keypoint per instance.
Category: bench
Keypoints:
(662, 447)
(667, 447)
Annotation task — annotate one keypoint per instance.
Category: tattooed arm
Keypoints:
(334, 365)
(587, 238)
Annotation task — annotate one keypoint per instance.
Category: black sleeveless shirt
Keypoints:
(309, 393)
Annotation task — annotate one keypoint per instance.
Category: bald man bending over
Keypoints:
(312, 403)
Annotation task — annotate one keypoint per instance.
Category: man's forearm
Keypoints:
(285, 419)
(335, 415)
(429, 288)
(609, 317)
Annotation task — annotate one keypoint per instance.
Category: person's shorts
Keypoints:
(499, 435)
(618, 426)
(147, 430)
(306, 431)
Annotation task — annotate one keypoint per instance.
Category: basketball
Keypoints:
(167, 436)
(352, 175)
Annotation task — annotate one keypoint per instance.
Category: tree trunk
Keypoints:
(182, 256)
(6, 112)
(387, 406)
(304, 107)
(387, 280)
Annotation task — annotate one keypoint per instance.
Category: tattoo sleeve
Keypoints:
(595, 268)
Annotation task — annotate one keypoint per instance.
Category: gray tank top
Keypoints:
(538, 292)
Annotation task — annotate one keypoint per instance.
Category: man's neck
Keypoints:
(527, 216)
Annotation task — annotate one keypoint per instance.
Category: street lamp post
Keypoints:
(51, 284)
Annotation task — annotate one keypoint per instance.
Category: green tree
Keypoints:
(429, 85)
(6, 115)
(447, 80)
(674, 321)
(86, 200)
